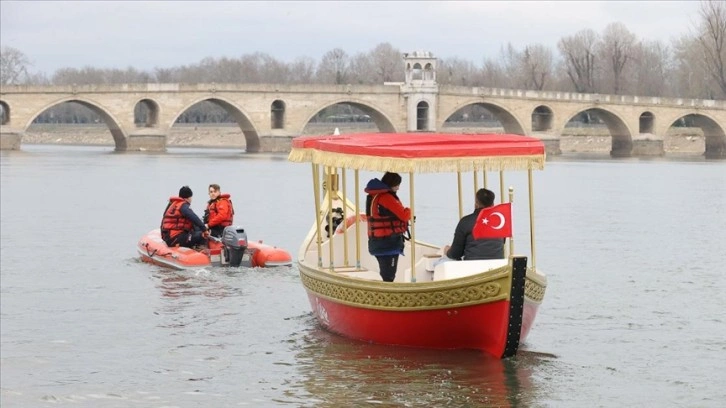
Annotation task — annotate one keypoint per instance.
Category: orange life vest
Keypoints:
(217, 209)
(174, 222)
(383, 223)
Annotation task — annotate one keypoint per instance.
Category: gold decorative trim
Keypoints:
(483, 288)
(418, 165)
(534, 291)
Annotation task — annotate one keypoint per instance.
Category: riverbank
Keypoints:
(574, 140)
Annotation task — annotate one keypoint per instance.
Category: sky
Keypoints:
(164, 34)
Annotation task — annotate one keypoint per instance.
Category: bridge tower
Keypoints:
(420, 91)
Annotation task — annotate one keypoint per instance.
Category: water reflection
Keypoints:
(336, 371)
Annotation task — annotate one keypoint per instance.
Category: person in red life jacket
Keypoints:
(464, 246)
(180, 226)
(387, 222)
(219, 212)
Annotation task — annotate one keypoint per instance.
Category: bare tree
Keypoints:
(616, 51)
(334, 67)
(302, 70)
(692, 75)
(712, 39)
(388, 63)
(537, 63)
(13, 66)
(578, 53)
(492, 74)
(457, 71)
(652, 70)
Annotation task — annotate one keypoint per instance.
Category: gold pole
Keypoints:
(484, 175)
(511, 239)
(476, 182)
(531, 218)
(329, 178)
(357, 220)
(345, 219)
(316, 195)
(412, 242)
(461, 204)
(501, 187)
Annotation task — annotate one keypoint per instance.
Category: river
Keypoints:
(634, 250)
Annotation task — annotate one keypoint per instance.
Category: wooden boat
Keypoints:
(488, 305)
(237, 252)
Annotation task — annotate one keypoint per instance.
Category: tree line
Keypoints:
(613, 61)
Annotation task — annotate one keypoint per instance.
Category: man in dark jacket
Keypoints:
(180, 226)
(464, 246)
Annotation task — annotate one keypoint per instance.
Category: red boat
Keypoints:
(233, 249)
(488, 305)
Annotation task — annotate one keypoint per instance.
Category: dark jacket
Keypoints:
(187, 211)
(466, 247)
(389, 205)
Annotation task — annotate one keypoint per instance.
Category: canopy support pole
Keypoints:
(345, 219)
(531, 217)
(316, 194)
(357, 219)
(412, 242)
(461, 204)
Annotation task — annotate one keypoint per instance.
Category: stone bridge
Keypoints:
(269, 113)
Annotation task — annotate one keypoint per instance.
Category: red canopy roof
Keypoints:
(421, 152)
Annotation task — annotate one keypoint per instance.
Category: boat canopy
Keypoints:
(421, 152)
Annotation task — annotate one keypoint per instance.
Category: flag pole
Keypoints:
(511, 239)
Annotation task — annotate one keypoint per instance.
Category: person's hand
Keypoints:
(205, 234)
(446, 248)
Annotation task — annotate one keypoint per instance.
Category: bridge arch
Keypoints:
(620, 133)
(384, 124)
(119, 136)
(646, 123)
(713, 133)
(509, 121)
(146, 113)
(252, 137)
(542, 118)
(4, 113)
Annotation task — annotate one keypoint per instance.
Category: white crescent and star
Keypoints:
(502, 221)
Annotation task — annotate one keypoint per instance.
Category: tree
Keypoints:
(578, 53)
(334, 67)
(13, 66)
(616, 51)
(537, 64)
(652, 70)
(387, 62)
(712, 40)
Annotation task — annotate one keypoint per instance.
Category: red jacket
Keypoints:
(221, 211)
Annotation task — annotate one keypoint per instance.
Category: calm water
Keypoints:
(633, 316)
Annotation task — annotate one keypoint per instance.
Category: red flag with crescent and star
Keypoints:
(494, 222)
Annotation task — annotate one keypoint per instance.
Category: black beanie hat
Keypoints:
(185, 192)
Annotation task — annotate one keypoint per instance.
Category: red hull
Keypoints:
(482, 327)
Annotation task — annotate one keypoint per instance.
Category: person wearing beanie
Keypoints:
(179, 225)
(219, 212)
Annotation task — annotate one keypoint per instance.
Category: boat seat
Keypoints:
(460, 269)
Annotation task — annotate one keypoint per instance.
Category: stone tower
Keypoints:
(421, 91)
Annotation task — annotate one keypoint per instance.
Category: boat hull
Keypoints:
(152, 249)
(483, 312)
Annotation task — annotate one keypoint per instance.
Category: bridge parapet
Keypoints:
(582, 97)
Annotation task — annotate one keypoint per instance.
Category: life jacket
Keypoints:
(383, 223)
(218, 208)
(174, 222)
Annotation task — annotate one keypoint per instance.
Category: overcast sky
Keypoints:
(107, 34)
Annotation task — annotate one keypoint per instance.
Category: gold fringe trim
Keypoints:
(417, 165)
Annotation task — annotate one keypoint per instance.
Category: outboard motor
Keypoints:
(234, 240)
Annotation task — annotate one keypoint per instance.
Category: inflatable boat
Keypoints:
(232, 249)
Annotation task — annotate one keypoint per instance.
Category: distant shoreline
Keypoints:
(576, 140)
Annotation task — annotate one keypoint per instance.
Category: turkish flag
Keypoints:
(494, 222)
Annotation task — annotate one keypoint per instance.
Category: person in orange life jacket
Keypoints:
(464, 246)
(387, 222)
(219, 212)
(179, 222)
